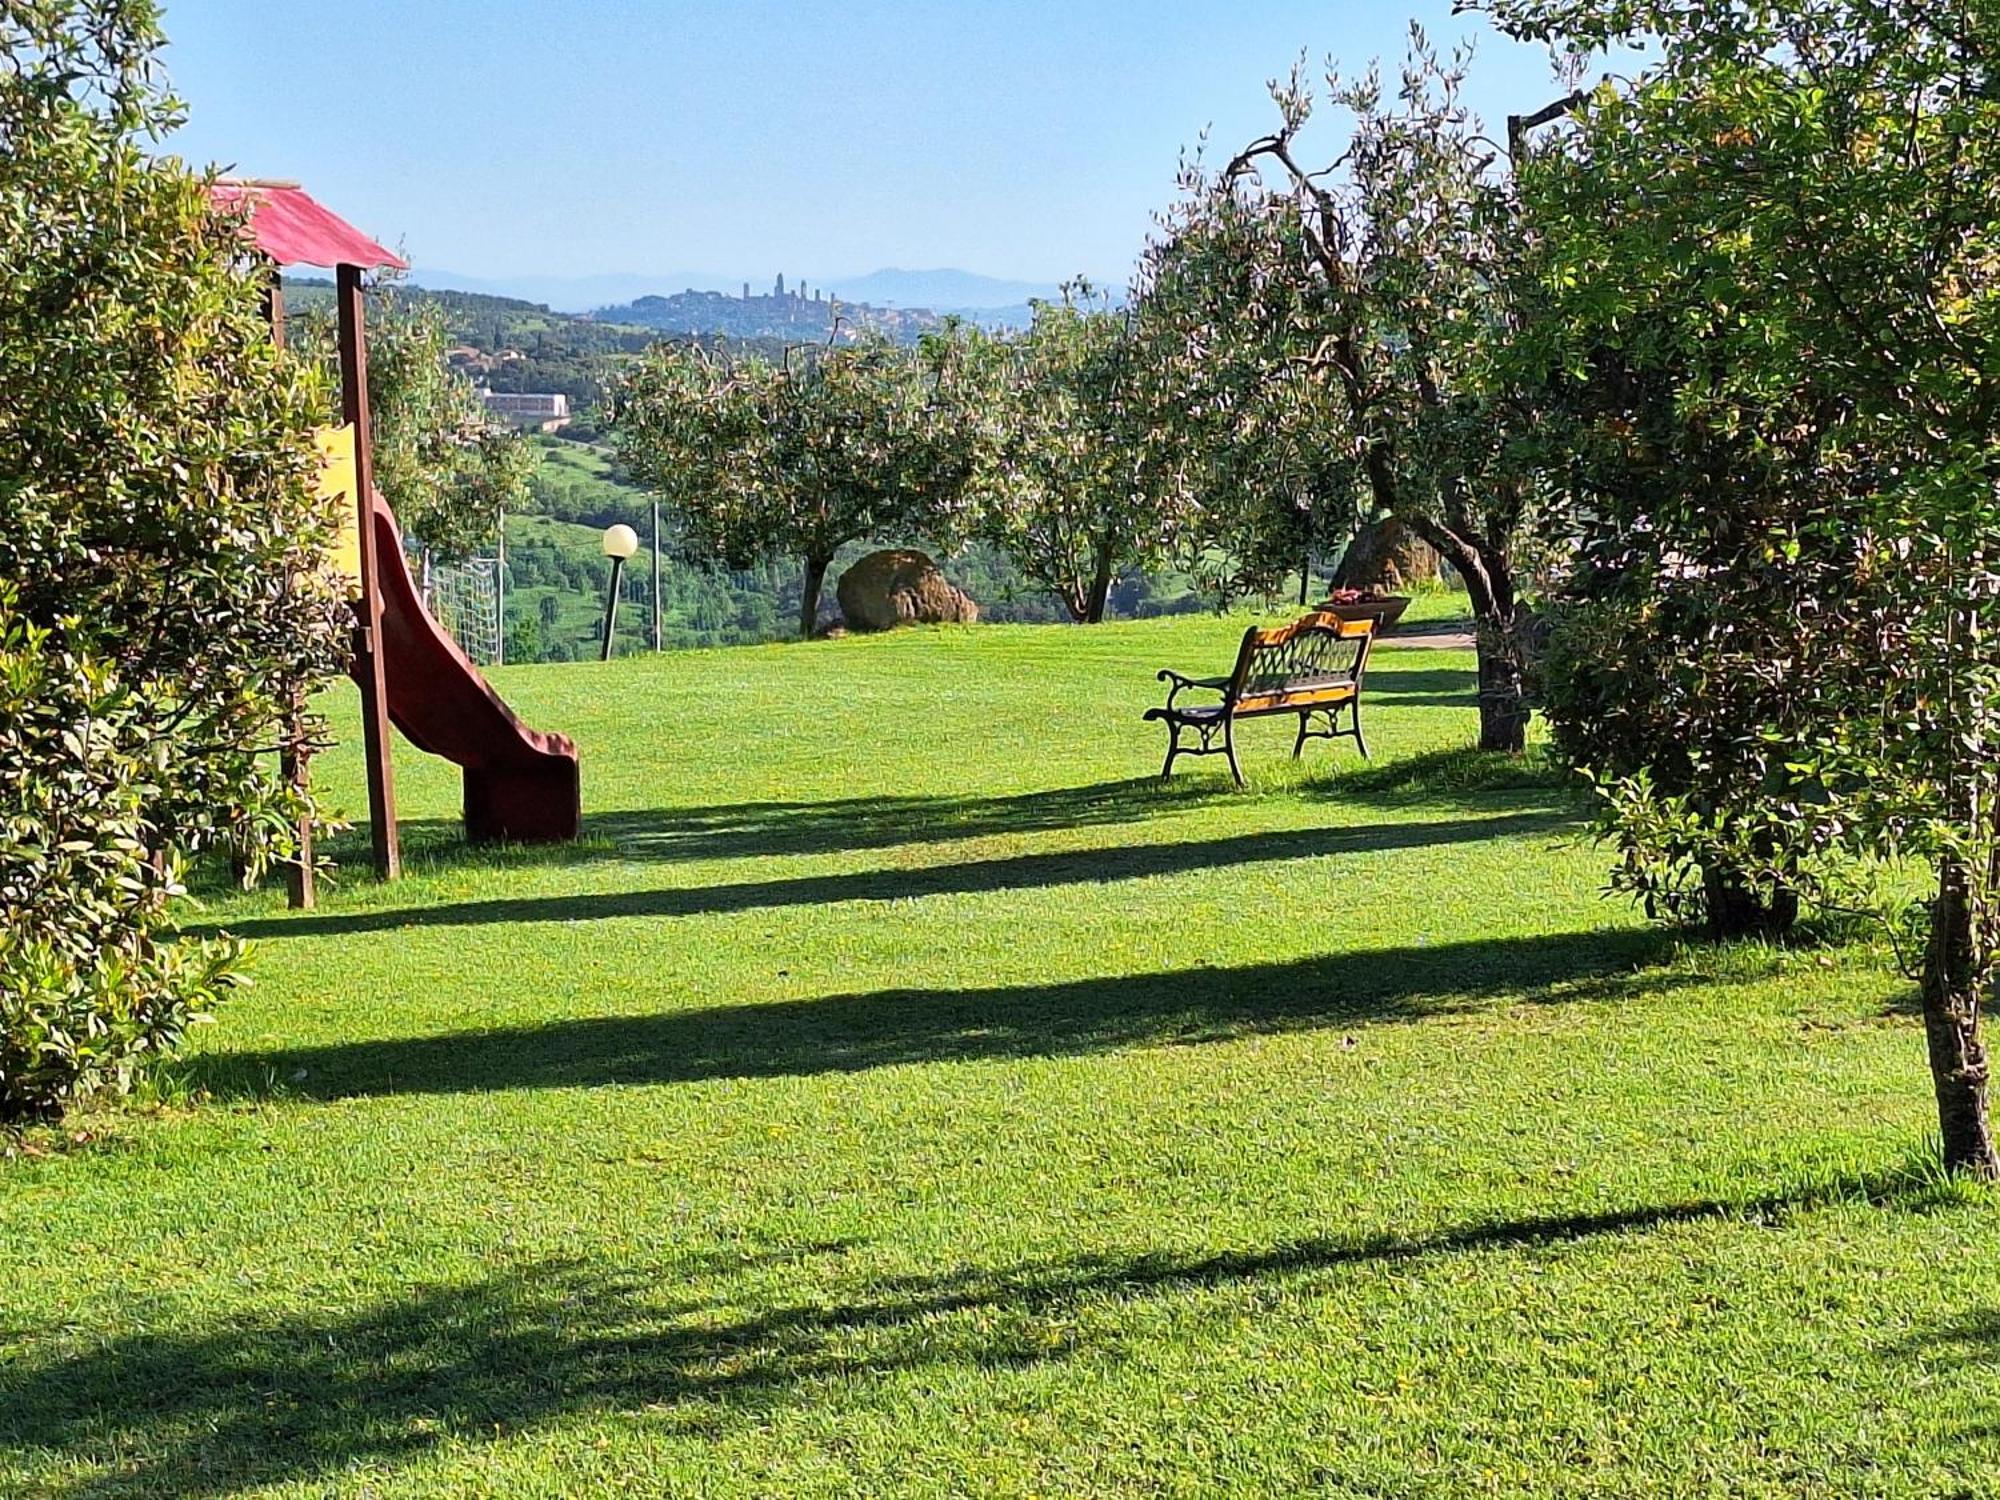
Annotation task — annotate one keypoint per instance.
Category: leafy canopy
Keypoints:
(756, 458)
(164, 607)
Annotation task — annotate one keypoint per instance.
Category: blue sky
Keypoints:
(1019, 138)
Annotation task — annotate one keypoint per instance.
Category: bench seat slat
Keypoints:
(1293, 698)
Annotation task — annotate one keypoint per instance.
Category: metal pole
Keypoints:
(369, 671)
(611, 606)
(656, 575)
(500, 598)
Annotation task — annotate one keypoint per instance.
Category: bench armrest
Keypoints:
(1181, 682)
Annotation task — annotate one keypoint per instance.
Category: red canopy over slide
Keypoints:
(287, 225)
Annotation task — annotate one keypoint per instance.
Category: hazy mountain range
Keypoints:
(941, 291)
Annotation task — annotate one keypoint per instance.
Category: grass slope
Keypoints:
(903, 1092)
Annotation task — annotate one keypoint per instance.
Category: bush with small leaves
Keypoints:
(165, 596)
(93, 984)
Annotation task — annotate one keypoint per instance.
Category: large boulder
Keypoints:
(900, 586)
(1388, 557)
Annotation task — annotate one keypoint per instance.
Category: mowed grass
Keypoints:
(904, 1093)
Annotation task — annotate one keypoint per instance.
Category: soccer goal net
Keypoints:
(464, 598)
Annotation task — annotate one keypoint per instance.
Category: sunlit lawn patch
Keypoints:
(903, 1091)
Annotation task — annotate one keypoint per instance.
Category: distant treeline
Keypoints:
(554, 555)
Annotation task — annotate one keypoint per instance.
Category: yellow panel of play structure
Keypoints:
(336, 483)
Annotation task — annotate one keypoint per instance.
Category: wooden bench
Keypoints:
(1312, 667)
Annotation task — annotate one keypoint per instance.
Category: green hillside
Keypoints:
(901, 1091)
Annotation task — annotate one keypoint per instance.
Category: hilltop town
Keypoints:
(800, 312)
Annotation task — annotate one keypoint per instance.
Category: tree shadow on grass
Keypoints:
(1966, 1348)
(778, 827)
(1095, 866)
(300, 1397)
(742, 830)
(1972, 1341)
(1464, 776)
(884, 1028)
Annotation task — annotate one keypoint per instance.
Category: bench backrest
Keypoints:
(1317, 658)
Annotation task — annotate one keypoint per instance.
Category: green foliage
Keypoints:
(1791, 220)
(92, 987)
(445, 468)
(1349, 326)
(1063, 484)
(756, 460)
(165, 604)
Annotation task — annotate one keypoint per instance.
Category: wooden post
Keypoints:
(369, 670)
(294, 761)
(656, 575)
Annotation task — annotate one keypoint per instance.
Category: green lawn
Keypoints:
(905, 1093)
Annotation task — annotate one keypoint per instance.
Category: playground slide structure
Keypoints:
(521, 785)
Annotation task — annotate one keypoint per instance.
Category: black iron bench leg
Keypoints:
(1229, 746)
(1354, 716)
(1299, 744)
(1173, 748)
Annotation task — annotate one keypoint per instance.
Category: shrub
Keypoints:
(92, 987)
(164, 595)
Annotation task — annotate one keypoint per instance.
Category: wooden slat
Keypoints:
(370, 670)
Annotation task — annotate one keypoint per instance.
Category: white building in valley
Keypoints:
(547, 411)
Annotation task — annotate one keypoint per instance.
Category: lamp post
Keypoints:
(620, 542)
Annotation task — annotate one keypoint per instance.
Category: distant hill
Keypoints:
(940, 291)
(780, 315)
(981, 299)
(572, 294)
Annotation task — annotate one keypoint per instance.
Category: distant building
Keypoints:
(546, 411)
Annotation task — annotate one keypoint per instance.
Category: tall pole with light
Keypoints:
(620, 542)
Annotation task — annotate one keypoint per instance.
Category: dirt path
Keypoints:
(1433, 635)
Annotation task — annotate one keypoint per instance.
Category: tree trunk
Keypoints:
(1503, 692)
(1954, 969)
(809, 592)
(1100, 587)
(1499, 633)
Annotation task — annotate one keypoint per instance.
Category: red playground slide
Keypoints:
(521, 785)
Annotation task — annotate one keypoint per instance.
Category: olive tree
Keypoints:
(1379, 290)
(163, 597)
(836, 443)
(1828, 177)
(1067, 487)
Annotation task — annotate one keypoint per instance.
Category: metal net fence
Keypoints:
(464, 598)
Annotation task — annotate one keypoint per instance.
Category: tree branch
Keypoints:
(1518, 126)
